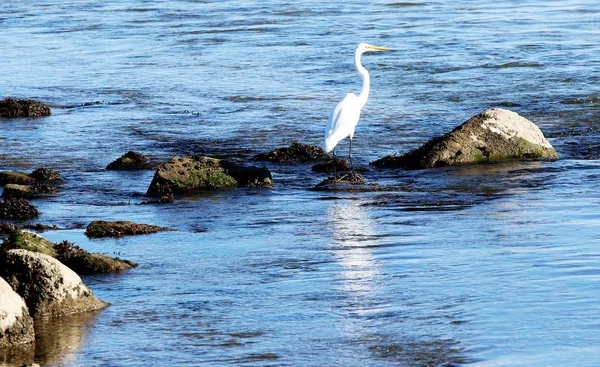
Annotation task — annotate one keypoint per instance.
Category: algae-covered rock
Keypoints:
(492, 135)
(129, 161)
(83, 262)
(100, 229)
(16, 326)
(183, 175)
(25, 240)
(17, 178)
(297, 152)
(13, 191)
(13, 107)
(19, 209)
(49, 288)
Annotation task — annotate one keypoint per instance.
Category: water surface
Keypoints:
(492, 265)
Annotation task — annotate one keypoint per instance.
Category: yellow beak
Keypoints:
(378, 48)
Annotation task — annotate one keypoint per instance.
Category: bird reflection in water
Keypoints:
(354, 240)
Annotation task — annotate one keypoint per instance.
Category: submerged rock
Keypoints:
(183, 175)
(129, 161)
(83, 262)
(16, 326)
(49, 288)
(100, 229)
(297, 152)
(492, 135)
(13, 191)
(13, 107)
(19, 209)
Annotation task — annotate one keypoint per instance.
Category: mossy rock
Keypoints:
(13, 107)
(197, 173)
(491, 136)
(17, 178)
(19, 209)
(129, 161)
(297, 152)
(83, 262)
(101, 229)
(12, 191)
(29, 241)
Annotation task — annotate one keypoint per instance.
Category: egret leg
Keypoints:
(351, 163)
(334, 165)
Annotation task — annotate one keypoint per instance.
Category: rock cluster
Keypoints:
(297, 152)
(101, 228)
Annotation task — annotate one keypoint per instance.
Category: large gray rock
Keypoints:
(49, 288)
(16, 326)
(492, 135)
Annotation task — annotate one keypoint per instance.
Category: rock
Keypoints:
(16, 326)
(76, 258)
(49, 288)
(328, 166)
(19, 209)
(25, 240)
(129, 161)
(12, 107)
(17, 178)
(13, 191)
(493, 135)
(183, 175)
(82, 262)
(100, 229)
(45, 174)
(297, 152)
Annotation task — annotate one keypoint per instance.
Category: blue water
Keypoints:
(491, 265)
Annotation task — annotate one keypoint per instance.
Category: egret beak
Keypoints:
(377, 48)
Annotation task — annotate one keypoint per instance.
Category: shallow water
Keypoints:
(492, 265)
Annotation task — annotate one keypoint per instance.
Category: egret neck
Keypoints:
(364, 93)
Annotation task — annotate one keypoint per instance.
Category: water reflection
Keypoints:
(354, 240)
(57, 342)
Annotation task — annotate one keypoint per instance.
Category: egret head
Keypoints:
(365, 47)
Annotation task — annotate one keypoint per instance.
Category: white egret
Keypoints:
(345, 115)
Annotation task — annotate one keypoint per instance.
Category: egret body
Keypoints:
(345, 115)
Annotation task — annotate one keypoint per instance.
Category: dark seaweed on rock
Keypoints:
(19, 209)
(101, 229)
(129, 161)
(297, 152)
(13, 107)
(17, 178)
(328, 166)
(45, 174)
(83, 262)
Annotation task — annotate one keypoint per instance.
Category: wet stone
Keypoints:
(19, 209)
(17, 178)
(493, 135)
(12, 191)
(13, 107)
(101, 229)
(45, 174)
(129, 161)
(297, 152)
(83, 262)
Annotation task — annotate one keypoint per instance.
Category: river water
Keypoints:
(494, 265)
